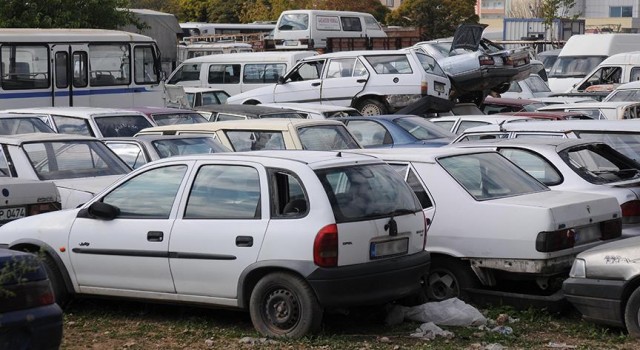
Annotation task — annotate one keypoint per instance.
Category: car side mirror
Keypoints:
(103, 211)
(280, 80)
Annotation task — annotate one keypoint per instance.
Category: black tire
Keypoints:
(60, 291)
(632, 314)
(372, 107)
(448, 278)
(502, 88)
(284, 305)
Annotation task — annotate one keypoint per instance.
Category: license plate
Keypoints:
(290, 43)
(7, 214)
(389, 248)
(439, 87)
(587, 234)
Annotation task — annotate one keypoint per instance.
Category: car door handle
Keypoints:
(244, 241)
(155, 236)
(315, 84)
(361, 81)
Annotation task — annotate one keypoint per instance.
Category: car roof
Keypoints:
(42, 137)
(490, 118)
(426, 155)
(509, 101)
(584, 105)
(190, 89)
(153, 137)
(79, 112)
(243, 56)
(253, 124)
(629, 85)
(310, 107)
(249, 110)
(542, 142)
(563, 126)
(159, 110)
(354, 53)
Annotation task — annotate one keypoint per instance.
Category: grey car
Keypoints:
(604, 284)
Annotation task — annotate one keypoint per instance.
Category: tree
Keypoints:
(435, 18)
(552, 9)
(269, 10)
(106, 14)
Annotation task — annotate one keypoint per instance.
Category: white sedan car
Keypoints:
(577, 165)
(492, 224)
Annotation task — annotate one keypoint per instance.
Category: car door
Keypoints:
(302, 84)
(130, 252)
(220, 228)
(344, 78)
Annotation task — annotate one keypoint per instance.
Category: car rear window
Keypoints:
(628, 143)
(490, 176)
(122, 125)
(366, 192)
(422, 129)
(600, 164)
(179, 118)
(326, 138)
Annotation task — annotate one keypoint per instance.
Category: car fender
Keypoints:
(21, 244)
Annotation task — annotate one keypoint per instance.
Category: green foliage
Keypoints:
(15, 270)
(65, 14)
(435, 18)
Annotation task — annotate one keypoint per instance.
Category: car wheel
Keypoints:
(502, 88)
(284, 305)
(448, 278)
(60, 291)
(632, 314)
(372, 107)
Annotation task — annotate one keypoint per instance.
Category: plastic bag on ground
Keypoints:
(450, 312)
(431, 331)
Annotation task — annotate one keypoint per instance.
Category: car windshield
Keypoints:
(214, 98)
(122, 125)
(177, 147)
(574, 66)
(73, 159)
(294, 21)
(532, 107)
(179, 118)
(490, 176)
(282, 115)
(627, 143)
(536, 84)
(600, 164)
(326, 138)
(367, 192)
(13, 126)
(422, 129)
(624, 96)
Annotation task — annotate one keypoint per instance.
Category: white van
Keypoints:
(583, 53)
(302, 29)
(210, 48)
(236, 72)
(618, 69)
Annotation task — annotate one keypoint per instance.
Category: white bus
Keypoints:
(78, 67)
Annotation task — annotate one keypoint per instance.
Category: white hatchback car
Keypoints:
(374, 82)
(283, 234)
(492, 224)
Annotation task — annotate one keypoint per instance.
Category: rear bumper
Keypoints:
(598, 300)
(371, 283)
(36, 328)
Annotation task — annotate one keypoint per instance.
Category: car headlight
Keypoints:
(579, 269)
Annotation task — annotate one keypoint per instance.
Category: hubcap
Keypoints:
(282, 309)
(370, 109)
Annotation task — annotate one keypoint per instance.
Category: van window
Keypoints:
(263, 73)
(635, 74)
(351, 24)
(328, 23)
(187, 72)
(371, 23)
(224, 74)
(390, 64)
(294, 21)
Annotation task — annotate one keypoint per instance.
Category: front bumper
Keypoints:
(598, 300)
(370, 283)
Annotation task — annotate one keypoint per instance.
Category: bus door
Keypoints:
(70, 64)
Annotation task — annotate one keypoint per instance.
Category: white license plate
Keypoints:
(439, 87)
(290, 43)
(389, 248)
(587, 234)
(7, 214)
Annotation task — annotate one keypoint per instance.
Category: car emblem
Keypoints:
(588, 209)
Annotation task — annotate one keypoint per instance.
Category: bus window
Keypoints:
(109, 64)
(24, 67)
(62, 62)
(80, 69)
(143, 65)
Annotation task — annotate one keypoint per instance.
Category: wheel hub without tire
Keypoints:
(282, 309)
(442, 286)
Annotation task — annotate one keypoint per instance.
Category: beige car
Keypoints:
(259, 134)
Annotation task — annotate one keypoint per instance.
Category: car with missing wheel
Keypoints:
(210, 230)
(493, 228)
(374, 82)
(604, 284)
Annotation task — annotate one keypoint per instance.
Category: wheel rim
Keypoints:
(442, 285)
(281, 310)
(370, 109)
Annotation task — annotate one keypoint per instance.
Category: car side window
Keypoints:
(534, 164)
(466, 124)
(369, 133)
(288, 198)
(69, 125)
(307, 71)
(340, 68)
(224, 192)
(149, 195)
(390, 64)
(131, 153)
(419, 190)
(255, 140)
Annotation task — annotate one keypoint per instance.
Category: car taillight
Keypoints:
(611, 229)
(555, 240)
(630, 212)
(424, 87)
(34, 209)
(486, 60)
(325, 246)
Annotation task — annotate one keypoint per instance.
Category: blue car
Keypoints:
(396, 131)
(29, 316)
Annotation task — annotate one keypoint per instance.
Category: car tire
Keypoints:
(502, 88)
(284, 305)
(370, 106)
(449, 278)
(60, 291)
(632, 314)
